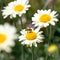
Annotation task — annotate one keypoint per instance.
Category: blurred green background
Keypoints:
(40, 52)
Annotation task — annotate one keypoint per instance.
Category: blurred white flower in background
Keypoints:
(23, 20)
(7, 37)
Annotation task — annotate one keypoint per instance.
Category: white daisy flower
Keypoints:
(44, 17)
(7, 37)
(14, 8)
(31, 37)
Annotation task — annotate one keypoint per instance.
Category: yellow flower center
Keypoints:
(3, 38)
(45, 18)
(52, 48)
(31, 35)
(18, 8)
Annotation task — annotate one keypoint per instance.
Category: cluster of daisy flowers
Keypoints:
(42, 18)
(8, 32)
(29, 36)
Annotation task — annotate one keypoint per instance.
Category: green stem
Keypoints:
(22, 46)
(1, 56)
(22, 53)
(4, 56)
(46, 57)
(50, 34)
(21, 22)
(32, 53)
(47, 31)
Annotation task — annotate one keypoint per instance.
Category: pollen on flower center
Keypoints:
(45, 18)
(31, 35)
(18, 8)
(3, 38)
